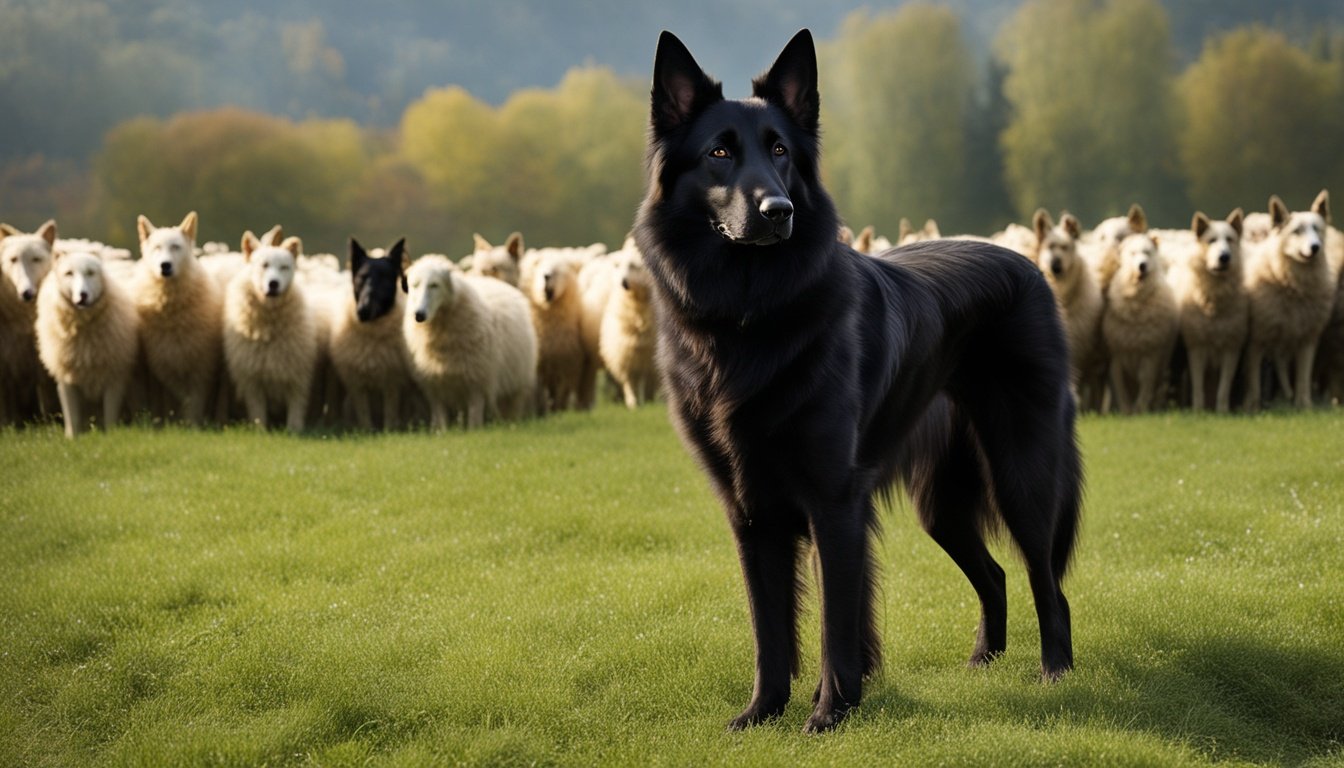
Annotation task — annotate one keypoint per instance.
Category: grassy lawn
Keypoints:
(566, 592)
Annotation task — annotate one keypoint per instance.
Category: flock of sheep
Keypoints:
(213, 335)
(1154, 317)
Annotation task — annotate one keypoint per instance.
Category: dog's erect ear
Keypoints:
(1041, 224)
(1199, 224)
(1278, 212)
(1321, 205)
(931, 229)
(188, 226)
(791, 82)
(8, 230)
(294, 245)
(1138, 220)
(681, 89)
(514, 245)
(904, 230)
(1071, 225)
(144, 227)
(1236, 218)
(480, 243)
(845, 235)
(274, 236)
(48, 231)
(249, 244)
(402, 260)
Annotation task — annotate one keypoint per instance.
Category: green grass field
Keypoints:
(566, 592)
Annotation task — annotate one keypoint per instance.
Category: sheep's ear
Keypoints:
(1041, 224)
(1071, 225)
(1237, 219)
(398, 252)
(294, 245)
(514, 245)
(1199, 224)
(1321, 205)
(1138, 220)
(249, 244)
(48, 232)
(188, 226)
(864, 242)
(1278, 212)
(144, 227)
(357, 255)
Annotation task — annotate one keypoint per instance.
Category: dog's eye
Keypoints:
(719, 153)
(780, 150)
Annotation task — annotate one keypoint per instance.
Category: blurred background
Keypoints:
(436, 119)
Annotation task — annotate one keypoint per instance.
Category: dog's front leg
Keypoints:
(841, 538)
(769, 554)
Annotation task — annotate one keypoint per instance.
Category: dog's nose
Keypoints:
(166, 268)
(777, 209)
(83, 297)
(419, 315)
(1315, 248)
(29, 294)
(1224, 259)
(1056, 267)
(1143, 268)
(273, 287)
(625, 283)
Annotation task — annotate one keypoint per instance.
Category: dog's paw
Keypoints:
(755, 714)
(825, 719)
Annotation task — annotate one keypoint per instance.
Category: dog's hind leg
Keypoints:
(769, 557)
(1030, 449)
(952, 498)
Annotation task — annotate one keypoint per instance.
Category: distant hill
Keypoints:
(69, 70)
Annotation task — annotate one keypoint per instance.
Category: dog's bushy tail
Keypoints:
(1070, 501)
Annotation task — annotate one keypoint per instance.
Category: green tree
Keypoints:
(561, 165)
(1093, 108)
(240, 170)
(1261, 117)
(897, 94)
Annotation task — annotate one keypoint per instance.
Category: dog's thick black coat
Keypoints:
(806, 378)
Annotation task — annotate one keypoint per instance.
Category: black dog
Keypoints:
(806, 377)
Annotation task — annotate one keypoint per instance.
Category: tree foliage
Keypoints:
(1261, 116)
(1091, 89)
(897, 98)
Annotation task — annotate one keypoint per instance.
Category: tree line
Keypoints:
(1080, 104)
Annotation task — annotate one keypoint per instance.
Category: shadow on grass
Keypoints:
(1227, 698)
